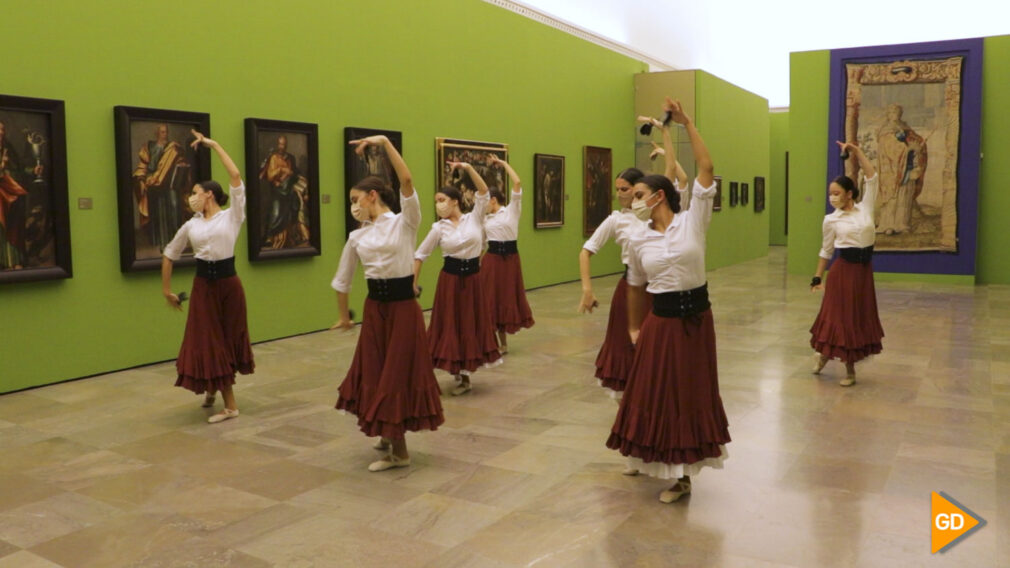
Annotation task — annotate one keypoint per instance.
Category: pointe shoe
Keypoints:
(223, 415)
(848, 381)
(819, 363)
(630, 471)
(208, 401)
(382, 445)
(504, 349)
(461, 388)
(674, 493)
(389, 462)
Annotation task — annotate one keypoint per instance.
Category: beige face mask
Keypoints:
(195, 203)
(443, 208)
(359, 213)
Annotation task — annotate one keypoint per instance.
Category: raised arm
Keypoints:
(706, 170)
(864, 163)
(399, 166)
(478, 181)
(234, 175)
(516, 183)
(673, 170)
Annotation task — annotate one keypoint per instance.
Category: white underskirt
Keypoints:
(614, 395)
(677, 470)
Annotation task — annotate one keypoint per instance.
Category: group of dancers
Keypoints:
(658, 356)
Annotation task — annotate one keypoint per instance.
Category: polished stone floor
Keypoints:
(122, 469)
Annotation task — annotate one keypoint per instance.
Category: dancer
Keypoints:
(848, 327)
(501, 270)
(216, 342)
(391, 384)
(460, 335)
(616, 354)
(671, 421)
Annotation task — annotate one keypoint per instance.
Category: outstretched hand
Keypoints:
(173, 302)
(588, 302)
(200, 139)
(676, 111)
(457, 165)
(848, 148)
(657, 150)
(817, 288)
(361, 143)
(654, 122)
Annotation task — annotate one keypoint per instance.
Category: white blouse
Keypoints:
(674, 261)
(503, 225)
(464, 240)
(384, 246)
(214, 238)
(854, 228)
(620, 226)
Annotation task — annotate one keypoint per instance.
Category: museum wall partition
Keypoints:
(927, 114)
(305, 71)
(778, 147)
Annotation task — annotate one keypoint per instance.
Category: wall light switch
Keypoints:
(326, 198)
(84, 203)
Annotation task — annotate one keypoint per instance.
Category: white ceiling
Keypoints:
(747, 42)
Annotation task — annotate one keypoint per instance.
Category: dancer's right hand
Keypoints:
(362, 143)
(817, 287)
(588, 302)
(173, 301)
(344, 324)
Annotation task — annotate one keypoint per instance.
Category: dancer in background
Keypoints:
(848, 327)
(391, 384)
(671, 422)
(460, 335)
(616, 354)
(501, 270)
(216, 343)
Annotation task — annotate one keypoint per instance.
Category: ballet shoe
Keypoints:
(225, 414)
(674, 493)
(208, 401)
(382, 445)
(630, 471)
(461, 389)
(819, 363)
(848, 381)
(389, 462)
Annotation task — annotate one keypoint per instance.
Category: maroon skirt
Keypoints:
(671, 411)
(505, 292)
(460, 335)
(216, 343)
(391, 385)
(613, 363)
(848, 327)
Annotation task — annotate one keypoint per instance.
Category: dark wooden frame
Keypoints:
(124, 116)
(443, 177)
(744, 193)
(253, 128)
(538, 190)
(351, 171)
(58, 191)
(759, 194)
(587, 225)
(734, 193)
(717, 200)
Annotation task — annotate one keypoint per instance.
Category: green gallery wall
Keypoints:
(808, 132)
(454, 68)
(778, 145)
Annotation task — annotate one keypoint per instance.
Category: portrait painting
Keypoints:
(744, 193)
(478, 155)
(759, 194)
(913, 111)
(597, 178)
(548, 191)
(282, 180)
(34, 214)
(156, 170)
(374, 162)
(717, 200)
(734, 193)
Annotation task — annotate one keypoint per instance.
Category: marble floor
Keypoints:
(122, 469)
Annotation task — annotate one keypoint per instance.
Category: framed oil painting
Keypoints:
(282, 177)
(744, 193)
(548, 191)
(734, 193)
(759, 194)
(34, 212)
(373, 163)
(156, 170)
(597, 177)
(477, 154)
(915, 111)
(717, 200)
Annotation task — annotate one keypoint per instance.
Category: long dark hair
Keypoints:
(846, 183)
(376, 184)
(212, 186)
(657, 182)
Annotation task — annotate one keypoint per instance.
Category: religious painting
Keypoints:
(548, 191)
(597, 177)
(717, 200)
(374, 162)
(478, 155)
(744, 193)
(156, 170)
(914, 112)
(734, 193)
(282, 181)
(34, 213)
(759, 194)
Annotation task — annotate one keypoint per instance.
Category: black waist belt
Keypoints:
(461, 266)
(860, 255)
(625, 276)
(503, 247)
(391, 289)
(681, 304)
(215, 269)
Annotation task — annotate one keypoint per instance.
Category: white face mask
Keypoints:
(836, 201)
(195, 203)
(443, 208)
(358, 213)
(642, 209)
